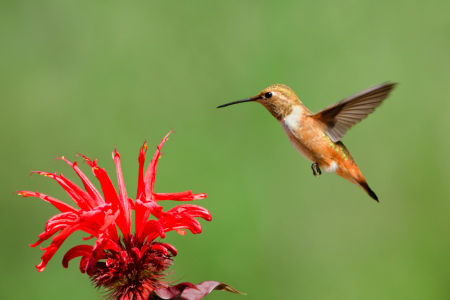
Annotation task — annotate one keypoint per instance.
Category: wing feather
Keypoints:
(342, 115)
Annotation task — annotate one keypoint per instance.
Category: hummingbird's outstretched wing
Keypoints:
(339, 117)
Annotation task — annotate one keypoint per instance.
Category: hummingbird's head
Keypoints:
(279, 100)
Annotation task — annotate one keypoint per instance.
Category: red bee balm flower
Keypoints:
(134, 266)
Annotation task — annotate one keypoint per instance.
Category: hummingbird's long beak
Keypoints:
(236, 102)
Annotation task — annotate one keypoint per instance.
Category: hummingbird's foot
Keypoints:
(316, 170)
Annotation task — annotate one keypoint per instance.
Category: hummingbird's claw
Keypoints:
(314, 167)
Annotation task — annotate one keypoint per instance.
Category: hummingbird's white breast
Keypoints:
(293, 128)
(307, 139)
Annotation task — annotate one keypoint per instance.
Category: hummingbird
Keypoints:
(318, 136)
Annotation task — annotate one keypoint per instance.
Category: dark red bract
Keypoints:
(131, 266)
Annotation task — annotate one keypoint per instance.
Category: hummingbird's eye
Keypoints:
(268, 95)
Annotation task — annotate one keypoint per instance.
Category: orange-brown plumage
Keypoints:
(317, 136)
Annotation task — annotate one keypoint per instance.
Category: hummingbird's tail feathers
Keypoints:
(352, 173)
(369, 191)
(372, 194)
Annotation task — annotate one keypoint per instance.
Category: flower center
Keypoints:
(133, 271)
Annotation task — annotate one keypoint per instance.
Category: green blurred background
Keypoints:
(83, 76)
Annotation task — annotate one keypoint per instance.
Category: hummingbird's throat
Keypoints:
(278, 109)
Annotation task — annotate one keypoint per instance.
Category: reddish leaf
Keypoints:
(188, 291)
